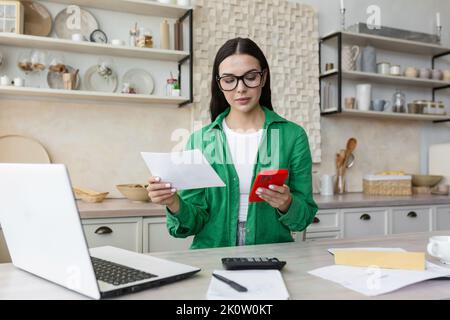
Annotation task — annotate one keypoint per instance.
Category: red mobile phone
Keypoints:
(264, 179)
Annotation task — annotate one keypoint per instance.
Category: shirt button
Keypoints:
(248, 230)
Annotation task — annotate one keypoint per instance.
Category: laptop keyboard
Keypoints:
(117, 274)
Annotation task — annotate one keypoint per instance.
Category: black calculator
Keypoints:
(242, 263)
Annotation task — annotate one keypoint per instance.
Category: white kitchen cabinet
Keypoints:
(324, 221)
(156, 237)
(364, 222)
(442, 218)
(411, 219)
(125, 233)
(149, 234)
(326, 225)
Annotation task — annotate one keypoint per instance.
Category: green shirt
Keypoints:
(211, 214)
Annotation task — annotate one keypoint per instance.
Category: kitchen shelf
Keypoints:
(390, 44)
(140, 7)
(385, 79)
(90, 95)
(19, 40)
(390, 115)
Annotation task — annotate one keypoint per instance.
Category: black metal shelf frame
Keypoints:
(338, 73)
(188, 15)
(337, 35)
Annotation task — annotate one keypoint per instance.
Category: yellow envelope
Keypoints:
(386, 260)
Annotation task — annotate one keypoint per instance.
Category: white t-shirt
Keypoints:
(244, 149)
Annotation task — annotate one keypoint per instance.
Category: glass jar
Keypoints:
(398, 102)
(57, 63)
(169, 86)
(105, 67)
(145, 39)
(24, 62)
(176, 91)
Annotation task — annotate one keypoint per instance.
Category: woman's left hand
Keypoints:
(278, 197)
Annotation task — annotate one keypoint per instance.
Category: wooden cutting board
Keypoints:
(20, 149)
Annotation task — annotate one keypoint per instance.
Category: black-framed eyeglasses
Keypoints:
(251, 79)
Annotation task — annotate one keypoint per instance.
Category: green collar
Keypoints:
(271, 117)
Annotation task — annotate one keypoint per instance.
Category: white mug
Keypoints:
(327, 185)
(5, 81)
(439, 247)
(349, 57)
(77, 37)
(363, 96)
(19, 82)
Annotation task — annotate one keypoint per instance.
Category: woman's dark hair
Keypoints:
(237, 46)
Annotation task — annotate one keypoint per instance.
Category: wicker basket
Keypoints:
(387, 185)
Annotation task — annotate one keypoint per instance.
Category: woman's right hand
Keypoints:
(162, 193)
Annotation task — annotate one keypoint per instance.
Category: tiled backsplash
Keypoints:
(288, 35)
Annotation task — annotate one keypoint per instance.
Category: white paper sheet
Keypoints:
(375, 281)
(261, 285)
(184, 170)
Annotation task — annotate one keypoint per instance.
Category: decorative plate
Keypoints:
(37, 20)
(140, 80)
(74, 20)
(93, 81)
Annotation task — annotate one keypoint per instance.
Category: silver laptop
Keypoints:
(43, 231)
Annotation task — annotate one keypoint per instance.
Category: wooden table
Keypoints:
(301, 257)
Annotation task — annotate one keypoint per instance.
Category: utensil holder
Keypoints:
(340, 184)
(339, 187)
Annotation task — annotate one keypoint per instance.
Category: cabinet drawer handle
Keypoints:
(316, 220)
(412, 214)
(103, 230)
(365, 217)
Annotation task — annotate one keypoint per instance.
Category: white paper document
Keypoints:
(184, 170)
(375, 281)
(261, 285)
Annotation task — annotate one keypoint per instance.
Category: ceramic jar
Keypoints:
(425, 73)
(437, 74)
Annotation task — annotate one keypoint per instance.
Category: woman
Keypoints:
(245, 137)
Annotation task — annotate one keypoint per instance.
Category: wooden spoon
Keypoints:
(342, 156)
(351, 146)
(339, 159)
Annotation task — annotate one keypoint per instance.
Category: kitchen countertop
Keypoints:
(360, 200)
(121, 208)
